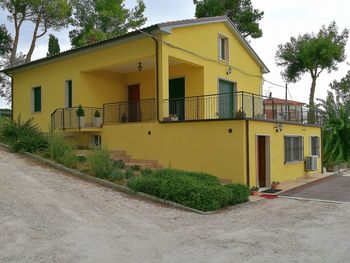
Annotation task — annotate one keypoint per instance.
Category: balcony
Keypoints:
(66, 118)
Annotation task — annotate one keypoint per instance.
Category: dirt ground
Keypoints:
(46, 216)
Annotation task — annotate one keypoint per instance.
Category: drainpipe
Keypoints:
(247, 150)
(12, 96)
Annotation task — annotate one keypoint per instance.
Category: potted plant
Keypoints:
(240, 114)
(97, 119)
(81, 116)
(275, 184)
(173, 117)
(254, 190)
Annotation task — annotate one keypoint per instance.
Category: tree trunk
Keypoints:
(15, 42)
(311, 114)
(32, 46)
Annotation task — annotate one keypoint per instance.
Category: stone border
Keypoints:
(111, 185)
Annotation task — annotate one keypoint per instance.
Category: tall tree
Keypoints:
(312, 54)
(54, 46)
(19, 12)
(336, 122)
(241, 12)
(48, 14)
(97, 20)
(5, 41)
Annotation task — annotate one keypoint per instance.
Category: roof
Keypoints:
(163, 27)
(283, 102)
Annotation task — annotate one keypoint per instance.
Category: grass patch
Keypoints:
(197, 190)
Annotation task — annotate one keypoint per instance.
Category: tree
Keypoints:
(5, 81)
(336, 123)
(5, 41)
(54, 46)
(48, 14)
(312, 53)
(241, 12)
(19, 12)
(97, 20)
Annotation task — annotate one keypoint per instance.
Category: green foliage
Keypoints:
(336, 119)
(81, 159)
(239, 193)
(129, 173)
(5, 41)
(22, 136)
(241, 12)
(116, 175)
(312, 53)
(135, 167)
(197, 190)
(100, 163)
(146, 172)
(80, 111)
(119, 164)
(97, 20)
(97, 114)
(60, 151)
(54, 46)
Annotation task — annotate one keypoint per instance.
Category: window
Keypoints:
(36, 99)
(69, 94)
(95, 141)
(223, 48)
(315, 145)
(293, 148)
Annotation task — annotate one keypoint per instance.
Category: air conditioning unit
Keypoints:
(311, 163)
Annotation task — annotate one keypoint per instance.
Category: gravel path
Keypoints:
(46, 216)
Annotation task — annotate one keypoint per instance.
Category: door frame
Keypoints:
(138, 109)
(234, 99)
(268, 159)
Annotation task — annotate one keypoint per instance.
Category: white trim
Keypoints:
(221, 37)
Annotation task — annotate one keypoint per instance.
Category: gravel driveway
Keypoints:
(46, 216)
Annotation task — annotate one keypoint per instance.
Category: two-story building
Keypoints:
(187, 94)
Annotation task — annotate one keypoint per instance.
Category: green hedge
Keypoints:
(197, 190)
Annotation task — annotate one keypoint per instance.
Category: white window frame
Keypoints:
(300, 154)
(223, 57)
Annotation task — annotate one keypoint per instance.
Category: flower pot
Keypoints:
(97, 121)
(255, 193)
(81, 121)
(274, 186)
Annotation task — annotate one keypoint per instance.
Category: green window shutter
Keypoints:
(37, 99)
(70, 94)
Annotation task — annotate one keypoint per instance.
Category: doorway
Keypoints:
(177, 98)
(134, 103)
(263, 161)
(226, 99)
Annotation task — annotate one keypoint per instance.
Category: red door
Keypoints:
(134, 103)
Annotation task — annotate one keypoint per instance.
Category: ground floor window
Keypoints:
(293, 148)
(315, 145)
(96, 141)
(36, 97)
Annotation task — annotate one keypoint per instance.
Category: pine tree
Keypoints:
(54, 46)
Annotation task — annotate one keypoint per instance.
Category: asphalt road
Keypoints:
(46, 216)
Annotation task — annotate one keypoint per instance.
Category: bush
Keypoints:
(135, 167)
(69, 158)
(146, 172)
(116, 175)
(56, 145)
(81, 159)
(119, 164)
(100, 163)
(129, 172)
(197, 190)
(22, 136)
(239, 193)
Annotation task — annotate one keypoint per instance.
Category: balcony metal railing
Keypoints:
(129, 111)
(66, 118)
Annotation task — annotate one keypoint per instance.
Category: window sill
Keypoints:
(36, 112)
(294, 162)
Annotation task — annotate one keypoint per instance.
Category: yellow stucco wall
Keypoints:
(195, 146)
(279, 170)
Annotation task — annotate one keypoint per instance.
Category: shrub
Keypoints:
(22, 136)
(56, 145)
(119, 164)
(100, 163)
(135, 167)
(69, 157)
(81, 159)
(116, 175)
(146, 172)
(239, 193)
(197, 190)
(129, 172)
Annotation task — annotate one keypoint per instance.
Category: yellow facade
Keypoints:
(103, 73)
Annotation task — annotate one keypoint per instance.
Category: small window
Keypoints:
(96, 141)
(69, 94)
(293, 148)
(315, 145)
(223, 48)
(36, 99)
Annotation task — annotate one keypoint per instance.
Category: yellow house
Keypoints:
(187, 94)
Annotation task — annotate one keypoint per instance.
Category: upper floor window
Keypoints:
(315, 145)
(68, 94)
(36, 95)
(293, 148)
(223, 48)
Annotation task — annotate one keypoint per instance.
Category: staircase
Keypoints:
(128, 160)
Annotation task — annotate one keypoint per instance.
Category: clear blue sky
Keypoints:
(282, 20)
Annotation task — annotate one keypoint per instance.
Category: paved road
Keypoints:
(332, 188)
(46, 216)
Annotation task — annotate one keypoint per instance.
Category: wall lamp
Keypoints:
(279, 127)
(229, 71)
(140, 67)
